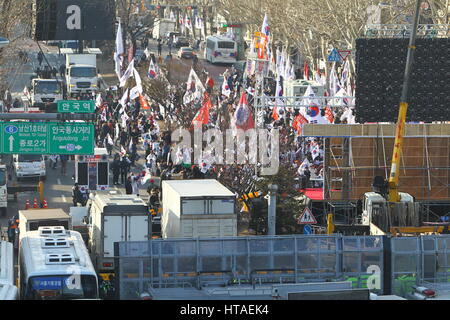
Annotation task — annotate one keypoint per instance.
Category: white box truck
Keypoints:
(45, 91)
(197, 208)
(32, 219)
(162, 27)
(81, 73)
(114, 218)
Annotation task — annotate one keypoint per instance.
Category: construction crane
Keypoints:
(386, 207)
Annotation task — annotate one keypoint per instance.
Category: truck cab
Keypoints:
(81, 74)
(380, 216)
(29, 166)
(45, 92)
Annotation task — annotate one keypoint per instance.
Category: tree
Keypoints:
(314, 27)
(289, 205)
(15, 25)
(134, 24)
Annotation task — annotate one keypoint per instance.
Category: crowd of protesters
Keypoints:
(130, 133)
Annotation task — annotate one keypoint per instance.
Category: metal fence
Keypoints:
(419, 260)
(245, 260)
(404, 31)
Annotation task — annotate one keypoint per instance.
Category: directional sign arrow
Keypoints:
(11, 143)
(78, 147)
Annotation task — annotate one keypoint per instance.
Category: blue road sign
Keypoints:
(307, 229)
(334, 56)
(11, 129)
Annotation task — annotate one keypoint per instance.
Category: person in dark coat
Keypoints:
(105, 130)
(124, 168)
(159, 48)
(134, 155)
(115, 166)
(123, 139)
(40, 57)
(62, 71)
(77, 196)
(128, 186)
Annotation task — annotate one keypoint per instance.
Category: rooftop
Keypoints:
(199, 188)
(39, 214)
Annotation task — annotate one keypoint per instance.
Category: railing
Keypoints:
(420, 261)
(246, 261)
(262, 102)
(403, 31)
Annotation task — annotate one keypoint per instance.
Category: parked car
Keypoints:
(181, 42)
(186, 52)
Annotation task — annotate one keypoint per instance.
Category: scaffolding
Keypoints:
(404, 30)
(425, 166)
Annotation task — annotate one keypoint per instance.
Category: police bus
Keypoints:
(220, 49)
(55, 265)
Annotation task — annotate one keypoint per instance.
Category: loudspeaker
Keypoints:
(380, 67)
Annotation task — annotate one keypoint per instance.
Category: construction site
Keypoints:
(355, 154)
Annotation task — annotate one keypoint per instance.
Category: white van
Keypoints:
(28, 165)
(220, 49)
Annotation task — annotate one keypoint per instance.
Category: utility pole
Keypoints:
(272, 212)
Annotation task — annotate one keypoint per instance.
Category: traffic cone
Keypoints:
(27, 204)
(35, 204)
(44, 204)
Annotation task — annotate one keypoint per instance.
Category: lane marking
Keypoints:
(58, 180)
(63, 197)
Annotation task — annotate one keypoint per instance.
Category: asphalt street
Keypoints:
(58, 188)
(215, 70)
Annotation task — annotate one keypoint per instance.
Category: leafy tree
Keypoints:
(289, 207)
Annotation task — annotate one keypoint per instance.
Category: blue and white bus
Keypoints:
(220, 49)
(55, 265)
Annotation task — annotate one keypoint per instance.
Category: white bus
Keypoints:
(220, 50)
(55, 265)
(7, 289)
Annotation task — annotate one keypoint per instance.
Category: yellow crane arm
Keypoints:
(394, 196)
